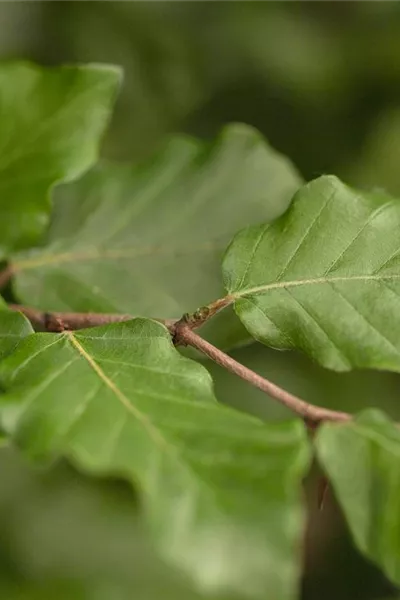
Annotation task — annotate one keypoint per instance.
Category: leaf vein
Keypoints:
(253, 253)
(114, 253)
(366, 321)
(306, 234)
(326, 334)
(318, 280)
(137, 414)
(371, 218)
(23, 364)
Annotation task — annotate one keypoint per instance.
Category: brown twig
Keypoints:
(5, 276)
(59, 321)
(310, 413)
(182, 333)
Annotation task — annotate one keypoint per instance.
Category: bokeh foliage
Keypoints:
(322, 82)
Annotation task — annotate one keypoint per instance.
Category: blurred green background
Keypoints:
(321, 80)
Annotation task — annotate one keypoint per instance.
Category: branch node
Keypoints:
(185, 322)
(182, 334)
(53, 324)
(204, 313)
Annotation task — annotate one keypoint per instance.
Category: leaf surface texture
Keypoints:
(324, 278)
(51, 122)
(221, 490)
(13, 327)
(362, 460)
(148, 240)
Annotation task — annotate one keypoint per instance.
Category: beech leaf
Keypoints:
(148, 240)
(324, 278)
(221, 490)
(51, 121)
(362, 461)
(13, 327)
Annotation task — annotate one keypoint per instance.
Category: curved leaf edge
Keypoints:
(361, 459)
(301, 459)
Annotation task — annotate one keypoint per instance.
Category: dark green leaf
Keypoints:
(148, 241)
(222, 491)
(51, 121)
(324, 278)
(13, 327)
(362, 460)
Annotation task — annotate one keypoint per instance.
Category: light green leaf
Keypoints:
(59, 526)
(13, 327)
(51, 121)
(221, 490)
(324, 278)
(148, 240)
(362, 461)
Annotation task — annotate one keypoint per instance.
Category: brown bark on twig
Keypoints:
(182, 333)
(308, 412)
(62, 321)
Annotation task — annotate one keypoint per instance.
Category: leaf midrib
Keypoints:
(95, 254)
(303, 282)
(131, 408)
(153, 431)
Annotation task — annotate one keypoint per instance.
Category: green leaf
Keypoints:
(148, 240)
(362, 461)
(51, 121)
(221, 490)
(324, 278)
(59, 526)
(13, 327)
